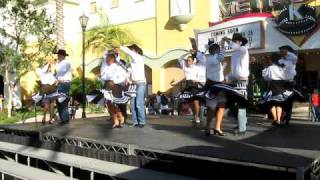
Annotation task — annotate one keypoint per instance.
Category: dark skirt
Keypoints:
(193, 91)
(47, 89)
(278, 87)
(116, 89)
(234, 93)
(219, 95)
(279, 95)
(115, 93)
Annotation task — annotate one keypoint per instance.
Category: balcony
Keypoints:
(181, 20)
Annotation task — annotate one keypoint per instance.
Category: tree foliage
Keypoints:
(25, 36)
(90, 86)
(105, 35)
(24, 41)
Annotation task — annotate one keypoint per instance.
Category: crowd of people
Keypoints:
(230, 90)
(206, 85)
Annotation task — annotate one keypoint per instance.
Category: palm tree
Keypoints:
(104, 36)
(60, 26)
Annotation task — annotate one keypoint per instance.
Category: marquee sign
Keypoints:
(297, 22)
(254, 32)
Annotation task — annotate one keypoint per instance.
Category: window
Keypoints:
(93, 7)
(114, 3)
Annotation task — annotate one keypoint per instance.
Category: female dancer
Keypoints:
(276, 76)
(289, 60)
(239, 79)
(114, 77)
(214, 75)
(191, 72)
(48, 87)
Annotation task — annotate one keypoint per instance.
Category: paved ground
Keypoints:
(293, 146)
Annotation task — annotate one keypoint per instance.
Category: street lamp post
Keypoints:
(83, 21)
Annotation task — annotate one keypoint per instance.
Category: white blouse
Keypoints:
(213, 64)
(191, 72)
(274, 72)
(113, 72)
(46, 77)
(240, 63)
(289, 63)
(137, 65)
(63, 69)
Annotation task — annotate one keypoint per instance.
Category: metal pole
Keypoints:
(28, 160)
(71, 172)
(83, 75)
(91, 175)
(35, 112)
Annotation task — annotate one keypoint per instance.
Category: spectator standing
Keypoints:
(316, 104)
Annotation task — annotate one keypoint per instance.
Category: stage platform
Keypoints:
(171, 144)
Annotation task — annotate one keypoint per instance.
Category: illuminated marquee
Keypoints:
(254, 32)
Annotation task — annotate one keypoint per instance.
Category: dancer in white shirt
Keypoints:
(114, 77)
(64, 77)
(273, 100)
(192, 72)
(289, 60)
(214, 74)
(239, 77)
(138, 79)
(47, 87)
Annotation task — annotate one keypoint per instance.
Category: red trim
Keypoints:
(247, 15)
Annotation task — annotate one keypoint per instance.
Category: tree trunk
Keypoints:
(60, 26)
(10, 90)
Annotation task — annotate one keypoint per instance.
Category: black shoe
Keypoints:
(275, 123)
(239, 133)
(216, 132)
(128, 123)
(208, 132)
(134, 125)
(141, 126)
(63, 122)
(287, 122)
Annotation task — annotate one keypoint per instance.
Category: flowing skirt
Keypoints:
(117, 94)
(228, 93)
(193, 91)
(280, 92)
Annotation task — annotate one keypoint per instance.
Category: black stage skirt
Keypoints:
(46, 98)
(280, 92)
(234, 93)
(218, 95)
(115, 93)
(193, 91)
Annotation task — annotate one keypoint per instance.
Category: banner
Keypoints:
(254, 32)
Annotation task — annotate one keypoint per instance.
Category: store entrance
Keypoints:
(308, 68)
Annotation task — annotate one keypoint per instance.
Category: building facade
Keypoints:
(162, 28)
(270, 26)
